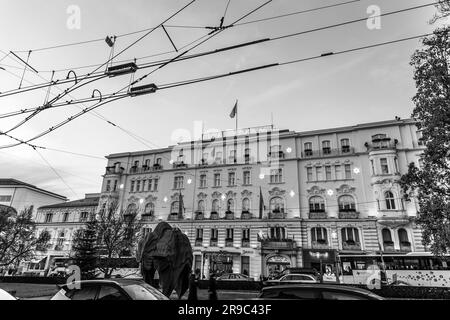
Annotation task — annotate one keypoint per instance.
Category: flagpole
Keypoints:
(237, 113)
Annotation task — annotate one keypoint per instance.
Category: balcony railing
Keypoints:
(318, 215)
(229, 215)
(383, 144)
(174, 217)
(147, 217)
(320, 244)
(179, 164)
(198, 242)
(214, 216)
(351, 245)
(145, 169)
(213, 242)
(199, 215)
(114, 170)
(246, 215)
(277, 214)
(348, 214)
(276, 155)
(405, 247)
(228, 242)
(245, 243)
(389, 246)
(327, 152)
(273, 243)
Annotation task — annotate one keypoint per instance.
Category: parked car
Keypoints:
(316, 292)
(114, 289)
(234, 277)
(292, 278)
(5, 295)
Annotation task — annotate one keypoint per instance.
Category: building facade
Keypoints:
(19, 195)
(61, 221)
(259, 200)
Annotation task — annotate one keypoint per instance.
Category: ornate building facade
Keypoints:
(259, 200)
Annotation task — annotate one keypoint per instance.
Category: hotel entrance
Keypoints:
(218, 262)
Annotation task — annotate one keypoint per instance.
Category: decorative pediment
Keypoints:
(202, 196)
(246, 194)
(216, 195)
(231, 195)
(151, 198)
(316, 191)
(175, 196)
(345, 189)
(277, 192)
(133, 199)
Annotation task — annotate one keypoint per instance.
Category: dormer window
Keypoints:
(308, 149)
(345, 145)
(326, 147)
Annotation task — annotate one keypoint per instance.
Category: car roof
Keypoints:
(320, 286)
(117, 281)
(299, 274)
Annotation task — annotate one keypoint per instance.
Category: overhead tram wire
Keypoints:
(151, 64)
(77, 86)
(213, 77)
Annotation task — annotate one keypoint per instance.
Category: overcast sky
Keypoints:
(363, 86)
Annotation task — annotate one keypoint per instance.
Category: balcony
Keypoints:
(114, 170)
(147, 217)
(318, 215)
(214, 215)
(175, 217)
(278, 244)
(203, 163)
(229, 215)
(348, 214)
(405, 246)
(381, 144)
(277, 214)
(199, 215)
(327, 152)
(246, 215)
(320, 244)
(276, 155)
(351, 245)
(157, 167)
(228, 242)
(198, 242)
(213, 242)
(388, 246)
(245, 243)
(179, 164)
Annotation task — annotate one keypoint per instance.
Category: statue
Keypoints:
(168, 251)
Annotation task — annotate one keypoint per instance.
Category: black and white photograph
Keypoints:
(225, 155)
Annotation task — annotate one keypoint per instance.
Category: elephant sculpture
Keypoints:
(168, 251)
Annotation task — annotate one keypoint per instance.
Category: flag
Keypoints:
(261, 203)
(234, 111)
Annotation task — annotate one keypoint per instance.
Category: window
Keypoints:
(328, 173)
(276, 175)
(115, 185)
(316, 204)
(246, 205)
(230, 234)
(84, 216)
(158, 161)
(326, 147)
(215, 206)
(247, 155)
(309, 173)
(346, 204)
(232, 156)
(219, 157)
(308, 149)
(403, 236)
(245, 265)
(180, 156)
(246, 234)
(110, 293)
(230, 205)
(150, 184)
(199, 234)
(108, 185)
(277, 205)
(132, 208)
(132, 186)
(203, 181)
(149, 209)
(214, 234)
(337, 171)
(350, 235)
(319, 235)
(387, 237)
(147, 163)
(66, 217)
(155, 185)
(319, 174)
(49, 218)
(420, 138)
(178, 182)
(348, 171)
(217, 180)
(231, 179)
(336, 295)
(5, 198)
(247, 179)
(390, 200)
(384, 166)
(138, 185)
(201, 206)
(278, 233)
(396, 165)
(86, 293)
(373, 167)
(175, 207)
(143, 185)
(345, 145)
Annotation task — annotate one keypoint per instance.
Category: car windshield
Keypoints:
(144, 292)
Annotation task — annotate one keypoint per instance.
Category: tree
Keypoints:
(85, 250)
(18, 240)
(117, 233)
(443, 7)
(430, 185)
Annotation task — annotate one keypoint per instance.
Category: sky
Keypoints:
(363, 86)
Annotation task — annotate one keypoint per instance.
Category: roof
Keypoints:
(9, 182)
(320, 286)
(87, 202)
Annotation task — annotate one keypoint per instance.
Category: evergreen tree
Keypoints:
(85, 250)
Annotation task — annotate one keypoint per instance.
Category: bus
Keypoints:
(414, 269)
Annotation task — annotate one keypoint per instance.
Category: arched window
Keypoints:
(346, 204)
(278, 233)
(390, 200)
(277, 205)
(246, 205)
(350, 235)
(403, 236)
(201, 206)
(132, 208)
(149, 208)
(230, 205)
(387, 237)
(215, 206)
(175, 207)
(319, 235)
(316, 204)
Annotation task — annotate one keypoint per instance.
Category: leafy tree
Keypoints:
(85, 250)
(443, 7)
(18, 240)
(430, 185)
